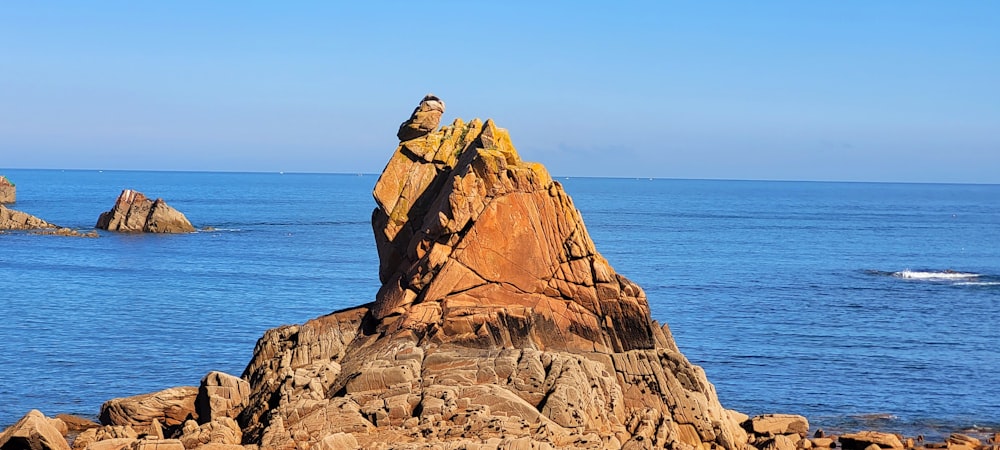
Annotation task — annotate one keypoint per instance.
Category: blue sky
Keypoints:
(796, 90)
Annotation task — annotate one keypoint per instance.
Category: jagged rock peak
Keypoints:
(479, 247)
(8, 192)
(498, 324)
(425, 119)
(133, 212)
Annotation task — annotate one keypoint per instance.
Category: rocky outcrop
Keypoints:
(221, 395)
(8, 192)
(133, 212)
(425, 119)
(12, 220)
(16, 220)
(498, 324)
(35, 432)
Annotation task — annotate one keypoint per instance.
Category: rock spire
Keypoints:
(497, 323)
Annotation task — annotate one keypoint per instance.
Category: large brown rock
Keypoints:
(33, 432)
(170, 407)
(863, 439)
(773, 424)
(221, 395)
(498, 324)
(133, 212)
(8, 192)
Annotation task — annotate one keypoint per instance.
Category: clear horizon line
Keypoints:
(554, 177)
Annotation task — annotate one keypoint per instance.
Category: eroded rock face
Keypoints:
(8, 192)
(498, 323)
(133, 212)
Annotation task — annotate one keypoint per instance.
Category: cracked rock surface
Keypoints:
(498, 324)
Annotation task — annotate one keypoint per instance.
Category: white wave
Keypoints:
(943, 275)
(978, 283)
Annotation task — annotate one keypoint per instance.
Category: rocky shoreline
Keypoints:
(498, 326)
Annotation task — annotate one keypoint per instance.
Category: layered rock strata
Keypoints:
(8, 192)
(133, 212)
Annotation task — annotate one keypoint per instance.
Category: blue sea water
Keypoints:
(858, 305)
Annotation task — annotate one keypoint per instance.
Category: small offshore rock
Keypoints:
(134, 212)
(11, 219)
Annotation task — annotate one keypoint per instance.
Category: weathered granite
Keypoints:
(133, 212)
(498, 323)
(35, 432)
(11, 219)
(170, 407)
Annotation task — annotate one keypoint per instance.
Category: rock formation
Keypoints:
(8, 192)
(33, 431)
(133, 212)
(16, 220)
(498, 324)
(425, 119)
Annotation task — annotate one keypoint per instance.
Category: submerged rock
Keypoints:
(133, 212)
(8, 192)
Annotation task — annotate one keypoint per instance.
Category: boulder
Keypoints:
(8, 192)
(863, 439)
(133, 212)
(221, 395)
(337, 441)
(772, 424)
(170, 407)
(109, 436)
(35, 432)
(425, 119)
(220, 431)
(779, 442)
(498, 323)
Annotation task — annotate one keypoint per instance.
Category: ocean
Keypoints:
(858, 305)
